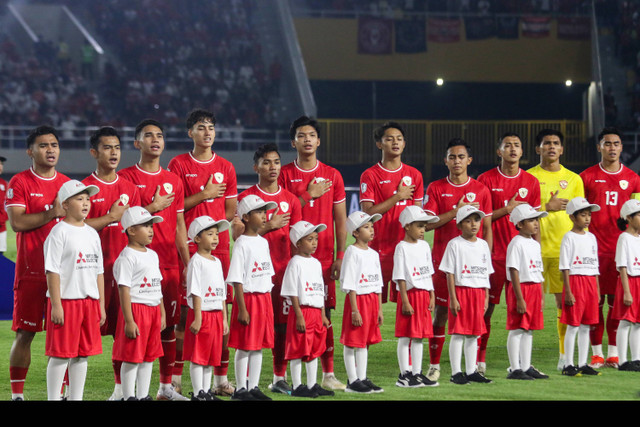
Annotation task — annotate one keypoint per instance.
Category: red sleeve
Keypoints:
(16, 193)
(366, 188)
(296, 209)
(430, 202)
(419, 191)
(339, 194)
(232, 183)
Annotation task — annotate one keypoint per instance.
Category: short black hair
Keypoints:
(303, 121)
(549, 132)
(459, 142)
(378, 133)
(263, 150)
(103, 131)
(197, 115)
(39, 131)
(609, 130)
(508, 135)
(143, 124)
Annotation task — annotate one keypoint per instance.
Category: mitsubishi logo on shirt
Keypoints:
(80, 258)
(145, 283)
(363, 279)
(635, 262)
(466, 269)
(210, 293)
(577, 261)
(307, 287)
(415, 272)
(256, 267)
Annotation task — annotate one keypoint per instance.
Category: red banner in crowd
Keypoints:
(536, 26)
(442, 30)
(375, 36)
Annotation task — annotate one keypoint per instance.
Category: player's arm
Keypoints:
(53, 286)
(197, 314)
(276, 222)
(230, 207)
(487, 231)
(114, 215)
(569, 299)
(404, 192)
(160, 202)
(627, 298)
(181, 239)
(340, 222)
(356, 317)
(210, 191)
(507, 209)
(22, 221)
(315, 189)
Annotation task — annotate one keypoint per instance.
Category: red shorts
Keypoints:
(532, 319)
(630, 313)
(205, 347)
(171, 294)
(111, 304)
(311, 343)
(497, 280)
(585, 310)
(146, 347)
(608, 279)
(79, 335)
(259, 333)
(418, 325)
(29, 303)
(470, 319)
(369, 332)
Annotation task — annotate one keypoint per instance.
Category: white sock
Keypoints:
(56, 368)
(570, 344)
(77, 377)
(312, 372)
(455, 353)
(514, 338)
(402, 352)
(218, 380)
(349, 355)
(362, 354)
(416, 355)
(526, 346)
(128, 375)
(634, 341)
(597, 350)
(612, 351)
(296, 372)
(255, 367)
(470, 353)
(583, 344)
(241, 362)
(145, 369)
(197, 377)
(206, 378)
(622, 339)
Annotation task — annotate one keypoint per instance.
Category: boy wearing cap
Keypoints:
(250, 272)
(75, 291)
(361, 280)
(467, 265)
(581, 293)
(206, 296)
(142, 316)
(412, 271)
(524, 294)
(303, 285)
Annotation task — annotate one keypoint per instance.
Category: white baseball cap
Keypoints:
(358, 218)
(204, 222)
(136, 215)
(579, 203)
(525, 211)
(466, 211)
(253, 202)
(413, 213)
(629, 207)
(303, 228)
(73, 187)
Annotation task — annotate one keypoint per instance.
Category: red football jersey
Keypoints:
(442, 196)
(524, 186)
(112, 238)
(194, 175)
(610, 191)
(36, 194)
(377, 184)
(164, 233)
(3, 213)
(320, 210)
(279, 243)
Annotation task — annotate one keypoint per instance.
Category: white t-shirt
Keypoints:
(251, 264)
(627, 253)
(579, 254)
(303, 279)
(412, 263)
(524, 254)
(205, 279)
(139, 271)
(75, 253)
(361, 271)
(469, 262)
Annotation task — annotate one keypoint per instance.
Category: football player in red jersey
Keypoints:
(609, 184)
(443, 199)
(33, 209)
(387, 188)
(320, 189)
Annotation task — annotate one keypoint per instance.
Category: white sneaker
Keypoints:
(169, 393)
(117, 393)
(434, 373)
(330, 382)
(561, 362)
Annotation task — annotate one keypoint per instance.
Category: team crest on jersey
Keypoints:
(406, 180)
(218, 176)
(563, 184)
(168, 187)
(284, 206)
(124, 199)
(363, 187)
(523, 192)
(471, 196)
(624, 184)
(10, 193)
(319, 179)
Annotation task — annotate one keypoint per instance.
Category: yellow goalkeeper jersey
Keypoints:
(569, 185)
